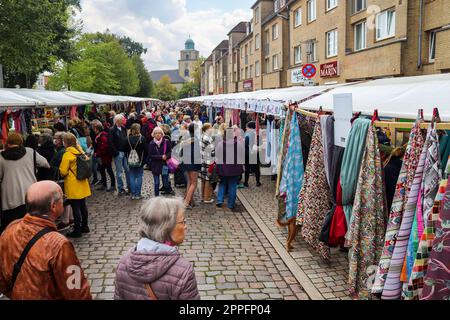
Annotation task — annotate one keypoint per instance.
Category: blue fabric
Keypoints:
(149, 245)
(293, 172)
(351, 164)
(136, 175)
(121, 164)
(230, 184)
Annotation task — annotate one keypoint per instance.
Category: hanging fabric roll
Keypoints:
(269, 132)
(292, 181)
(327, 124)
(393, 287)
(420, 267)
(436, 282)
(405, 180)
(351, 164)
(275, 137)
(315, 197)
(369, 219)
(283, 151)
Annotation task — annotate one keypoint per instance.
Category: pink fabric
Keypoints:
(158, 143)
(73, 112)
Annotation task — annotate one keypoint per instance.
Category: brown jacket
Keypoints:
(48, 271)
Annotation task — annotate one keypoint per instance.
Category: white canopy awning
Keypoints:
(394, 97)
(92, 97)
(11, 99)
(50, 98)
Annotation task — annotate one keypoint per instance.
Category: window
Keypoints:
(385, 24)
(257, 42)
(275, 62)
(359, 5)
(187, 57)
(278, 4)
(360, 36)
(312, 51)
(267, 65)
(275, 31)
(256, 15)
(331, 4)
(432, 53)
(298, 54)
(186, 73)
(298, 17)
(332, 43)
(311, 10)
(257, 69)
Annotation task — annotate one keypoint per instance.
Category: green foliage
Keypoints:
(189, 89)
(131, 47)
(34, 34)
(146, 87)
(165, 90)
(103, 67)
(197, 72)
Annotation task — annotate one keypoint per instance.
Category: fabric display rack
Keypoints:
(29, 111)
(382, 198)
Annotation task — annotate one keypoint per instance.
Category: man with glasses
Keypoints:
(36, 262)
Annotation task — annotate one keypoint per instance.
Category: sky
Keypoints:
(163, 26)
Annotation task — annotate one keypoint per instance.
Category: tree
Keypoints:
(131, 47)
(34, 34)
(165, 90)
(197, 72)
(189, 89)
(102, 68)
(146, 87)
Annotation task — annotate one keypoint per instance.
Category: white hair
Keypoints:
(118, 117)
(159, 218)
(156, 130)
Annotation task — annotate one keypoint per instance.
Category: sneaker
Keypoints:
(246, 185)
(85, 230)
(241, 186)
(259, 184)
(63, 227)
(209, 201)
(219, 205)
(138, 198)
(75, 234)
(122, 193)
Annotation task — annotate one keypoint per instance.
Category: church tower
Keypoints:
(187, 59)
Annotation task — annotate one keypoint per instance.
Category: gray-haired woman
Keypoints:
(154, 269)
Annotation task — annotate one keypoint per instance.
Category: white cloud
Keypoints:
(162, 26)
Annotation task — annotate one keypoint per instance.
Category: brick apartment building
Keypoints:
(347, 40)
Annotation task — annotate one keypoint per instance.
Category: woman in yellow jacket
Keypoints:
(76, 190)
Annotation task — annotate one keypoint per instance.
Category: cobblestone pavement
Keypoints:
(232, 258)
(328, 277)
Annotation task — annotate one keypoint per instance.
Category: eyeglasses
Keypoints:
(182, 222)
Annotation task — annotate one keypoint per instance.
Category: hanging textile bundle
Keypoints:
(438, 275)
(392, 287)
(283, 152)
(369, 219)
(327, 124)
(405, 180)
(293, 172)
(315, 196)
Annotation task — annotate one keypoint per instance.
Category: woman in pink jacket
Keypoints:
(154, 269)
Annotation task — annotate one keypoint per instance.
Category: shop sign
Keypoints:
(248, 85)
(329, 70)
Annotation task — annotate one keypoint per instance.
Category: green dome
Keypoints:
(189, 45)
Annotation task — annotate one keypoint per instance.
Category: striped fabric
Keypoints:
(405, 180)
(393, 286)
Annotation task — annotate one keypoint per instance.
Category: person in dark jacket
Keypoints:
(159, 151)
(47, 150)
(117, 142)
(103, 156)
(137, 142)
(154, 269)
(192, 163)
(229, 170)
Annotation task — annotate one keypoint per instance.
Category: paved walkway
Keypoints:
(328, 279)
(232, 257)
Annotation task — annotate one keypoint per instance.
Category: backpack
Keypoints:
(84, 167)
(82, 141)
(134, 161)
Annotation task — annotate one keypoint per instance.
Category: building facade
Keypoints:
(345, 40)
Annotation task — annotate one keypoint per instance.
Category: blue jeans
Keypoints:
(121, 164)
(136, 175)
(157, 182)
(230, 184)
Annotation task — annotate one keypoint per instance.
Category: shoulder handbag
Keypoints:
(171, 163)
(150, 292)
(23, 256)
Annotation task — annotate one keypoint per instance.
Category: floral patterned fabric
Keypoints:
(293, 173)
(437, 279)
(369, 219)
(405, 180)
(315, 197)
